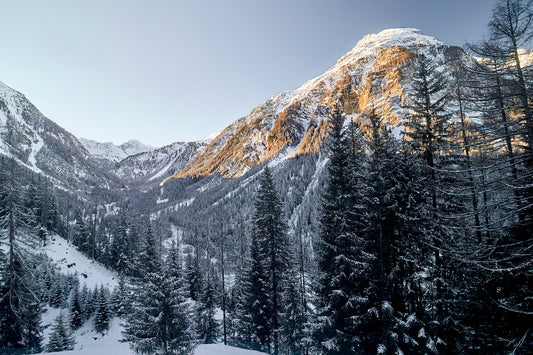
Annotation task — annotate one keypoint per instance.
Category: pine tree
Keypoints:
(102, 314)
(208, 327)
(61, 337)
(76, 316)
(395, 228)
(19, 308)
(159, 321)
(294, 317)
(344, 257)
(181, 334)
(193, 276)
(270, 232)
(81, 234)
(243, 313)
(86, 302)
(120, 298)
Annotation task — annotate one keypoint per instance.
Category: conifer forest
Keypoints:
(400, 220)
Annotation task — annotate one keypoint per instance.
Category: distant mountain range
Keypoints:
(294, 123)
(112, 152)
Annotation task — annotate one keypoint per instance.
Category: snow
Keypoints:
(89, 342)
(113, 152)
(72, 261)
(221, 349)
(212, 136)
(161, 172)
(35, 148)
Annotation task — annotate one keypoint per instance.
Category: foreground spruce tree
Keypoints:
(20, 314)
(102, 315)
(270, 231)
(159, 321)
(61, 337)
(208, 326)
(344, 255)
(252, 307)
(76, 316)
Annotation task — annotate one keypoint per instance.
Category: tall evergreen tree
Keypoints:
(270, 232)
(76, 316)
(208, 325)
(61, 337)
(344, 256)
(102, 315)
(120, 298)
(158, 323)
(19, 307)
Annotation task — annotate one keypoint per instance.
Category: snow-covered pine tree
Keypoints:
(394, 227)
(120, 298)
(181, 333)
(20, 314)
(61, 337)
(270, 230)
(251, 309)
(102, 314)
(344, 257)
(192, 272)
(75, 311)
(86, 302)
(80, 234)
(119, 247)
(158, 322)
(427, 130)
(294, 316)
(208, 326)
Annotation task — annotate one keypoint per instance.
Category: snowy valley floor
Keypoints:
(88, 341)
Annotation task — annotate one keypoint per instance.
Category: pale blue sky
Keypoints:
(165, 71)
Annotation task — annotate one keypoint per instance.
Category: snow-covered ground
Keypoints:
(72, 261)
(221, 349)
(88, 341)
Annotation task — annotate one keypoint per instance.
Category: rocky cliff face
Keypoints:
(376, 72)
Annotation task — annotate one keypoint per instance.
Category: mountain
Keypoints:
(287, 125)
(112, 152)
(152, 166)
(41, 145)
(292, 123)
(207, 200)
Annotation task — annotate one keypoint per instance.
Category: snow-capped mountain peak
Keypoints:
(294, 122)
(112, 152)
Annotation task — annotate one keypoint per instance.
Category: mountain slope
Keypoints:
(112, 152)
(292, 123)
(152, 166)
(41, 145)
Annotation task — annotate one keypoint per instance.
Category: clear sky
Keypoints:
(163, 71)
